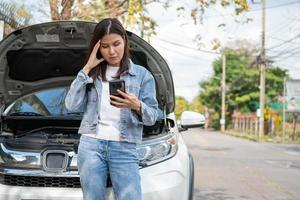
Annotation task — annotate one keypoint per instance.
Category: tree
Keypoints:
(196, 10)
(197, 105)
(92, 11)
(242, 81)
(180, 106)
(13, 16)
(64, 13)
(133, 13)
(199, 7)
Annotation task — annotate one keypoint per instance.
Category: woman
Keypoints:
(111, 126)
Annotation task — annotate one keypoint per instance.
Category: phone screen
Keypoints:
(116, 85)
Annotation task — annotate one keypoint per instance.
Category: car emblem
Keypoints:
(55, 160)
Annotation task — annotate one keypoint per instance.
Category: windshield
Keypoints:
(50, 102)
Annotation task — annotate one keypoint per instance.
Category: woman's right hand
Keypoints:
(93, 60)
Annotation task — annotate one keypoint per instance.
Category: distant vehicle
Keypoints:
(190, 119)
(39, 137)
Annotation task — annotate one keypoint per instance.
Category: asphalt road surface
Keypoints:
(228, 168)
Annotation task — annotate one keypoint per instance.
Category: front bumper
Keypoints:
(167, 180)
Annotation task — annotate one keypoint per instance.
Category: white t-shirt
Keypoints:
(109, 122)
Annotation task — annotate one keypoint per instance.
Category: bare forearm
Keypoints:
(86, 69)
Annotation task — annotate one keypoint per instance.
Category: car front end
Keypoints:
(25, 174)
(39, 137)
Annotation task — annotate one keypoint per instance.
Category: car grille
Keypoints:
(36, 181)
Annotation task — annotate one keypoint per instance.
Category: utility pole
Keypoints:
(262, 73)
(223, 88)
(284, 104)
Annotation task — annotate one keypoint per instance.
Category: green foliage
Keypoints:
(180, 106)
(274, 83)
(197, 105)
(137, 19)
(242, 85)
(215, 120)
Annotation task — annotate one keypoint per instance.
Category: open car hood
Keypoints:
(49, 55)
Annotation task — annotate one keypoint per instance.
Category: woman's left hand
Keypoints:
(128, 101)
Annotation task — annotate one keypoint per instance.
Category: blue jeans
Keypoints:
(98, 158)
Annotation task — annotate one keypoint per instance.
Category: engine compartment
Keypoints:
(38, 133)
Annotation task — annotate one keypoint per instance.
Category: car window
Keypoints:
(50, 102)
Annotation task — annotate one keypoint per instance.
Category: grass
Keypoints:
(278, 139)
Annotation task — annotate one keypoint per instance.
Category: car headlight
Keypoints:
(160, 150)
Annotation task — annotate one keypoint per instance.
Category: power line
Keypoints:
(279, 5)
(287, 67)
(187, 47)
(283, 26)
(256, 10)
(275, 38)
(191, 56)
(285, 42)
(291, 55)
(286, 51)
(194, 49)
(233, 28)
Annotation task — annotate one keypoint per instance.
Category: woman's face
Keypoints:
(112, 48)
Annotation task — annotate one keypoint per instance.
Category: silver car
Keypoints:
(39, 139)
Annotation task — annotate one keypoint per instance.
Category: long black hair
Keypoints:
(105, 27)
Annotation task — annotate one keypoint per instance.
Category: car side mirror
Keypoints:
(190, 119)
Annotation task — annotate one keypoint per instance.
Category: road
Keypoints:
(228, 168)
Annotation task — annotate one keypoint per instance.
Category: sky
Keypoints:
(175, 39)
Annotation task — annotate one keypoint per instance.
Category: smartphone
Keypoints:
(98, 54)
(116, 85)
